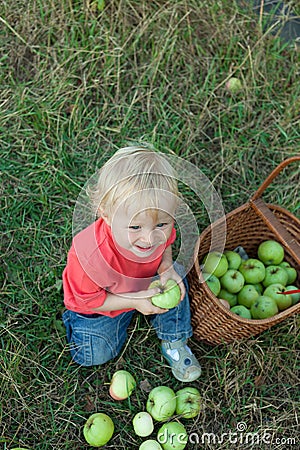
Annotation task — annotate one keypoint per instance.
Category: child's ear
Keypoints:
(105, 216)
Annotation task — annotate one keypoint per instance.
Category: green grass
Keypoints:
(76, 84)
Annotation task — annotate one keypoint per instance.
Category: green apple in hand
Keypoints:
(270, 252)
(232, 281)
(98, 429)
(275, 291)
(264, 307)
(122, 384)
(172, 436)
(215, 263)
(188, 402)
(161, 403)
(212, 282)
(241, 311)
(169, 296)
(252, 270)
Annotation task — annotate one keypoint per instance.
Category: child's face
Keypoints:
(141, 231)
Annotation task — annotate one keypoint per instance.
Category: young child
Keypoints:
(112, 262)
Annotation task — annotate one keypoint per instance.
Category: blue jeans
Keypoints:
(95, 339)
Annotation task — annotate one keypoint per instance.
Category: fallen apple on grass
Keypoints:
(143, 424)
(150, 444)
(188, 402)
(98, 429)
(172, 436)
(169, 296)
(234, 85)
(122, 384)
(161, 403)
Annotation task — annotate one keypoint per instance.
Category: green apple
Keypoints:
(233, 258)
(274, 275)
(98, 429)
(241, 311)
(228, 296)
(215, 263)
(234, 85)
(188, 402)
(232, 281)
(169, 295)
(259, 287)
(143, 424)
(161, 403)
(252, 270)
(296, 295)
(213, 283)
(291, 271)
(247, 295)
(270, 253)
(264, 307)
(122, 384)
(276, 291)
(150, 444)
(172, 436)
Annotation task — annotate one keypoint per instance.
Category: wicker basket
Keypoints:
(248, 226)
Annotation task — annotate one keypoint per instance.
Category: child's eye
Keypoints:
(134, 227)
(161, 225)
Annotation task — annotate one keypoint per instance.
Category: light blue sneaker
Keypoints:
(184, 364)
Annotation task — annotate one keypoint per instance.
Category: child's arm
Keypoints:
(141, 301)
(167, 271)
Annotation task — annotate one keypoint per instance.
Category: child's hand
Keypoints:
(173, 275)
(141, 301)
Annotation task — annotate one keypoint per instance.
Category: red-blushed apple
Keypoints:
(150, 444)
(241, 311)
(252, 270)
(188, 402)
(98, 429)
(122, 384)
(276, 291)
(172, 436)
(212, 282)
(264, 307)
(225, 303)
(247, 295)
(270, 252)
(234, 85)
(161, 403)
(295, 295)
(291, 271)
(233, 258)
(169, 295)
(274, 275)
(143, 424)
(228, 296)
(232, 281)
(215, 263)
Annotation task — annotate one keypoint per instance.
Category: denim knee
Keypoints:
(93, 340)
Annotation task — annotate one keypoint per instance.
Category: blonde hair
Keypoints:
(138, 170)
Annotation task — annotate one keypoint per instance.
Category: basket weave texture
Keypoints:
(246, 226)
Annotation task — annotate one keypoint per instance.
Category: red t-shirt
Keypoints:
(95, 266)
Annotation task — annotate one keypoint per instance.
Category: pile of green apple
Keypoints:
(252, 288)
(162, 404)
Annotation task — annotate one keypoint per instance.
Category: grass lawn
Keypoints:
(78, 82)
